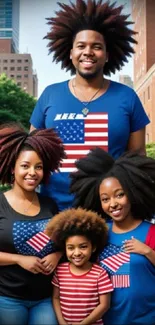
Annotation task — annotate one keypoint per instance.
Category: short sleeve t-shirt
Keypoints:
(20, 234)
(111, 119)
(79, 294)
(133, 278)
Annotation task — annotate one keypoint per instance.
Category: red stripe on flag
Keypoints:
(38, 241)
(120, 281)
(93, 134)
(97, 138)
(115, 261)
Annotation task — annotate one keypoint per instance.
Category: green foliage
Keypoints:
(150, 149)
(4, 187)
(15, 104)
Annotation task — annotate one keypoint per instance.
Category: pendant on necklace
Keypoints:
(85, 111)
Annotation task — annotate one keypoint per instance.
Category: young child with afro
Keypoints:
(81, 293)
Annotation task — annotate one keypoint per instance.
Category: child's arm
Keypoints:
(99, 311)
(57, 307)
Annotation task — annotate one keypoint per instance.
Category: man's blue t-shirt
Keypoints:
(111, 119)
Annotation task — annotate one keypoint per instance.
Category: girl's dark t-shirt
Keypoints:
(21, 234)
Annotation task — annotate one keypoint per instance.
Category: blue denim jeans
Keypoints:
(25, 312)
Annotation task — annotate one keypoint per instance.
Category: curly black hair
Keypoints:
(99, 16)
(73, 222)
(136, 174)
(14, 139)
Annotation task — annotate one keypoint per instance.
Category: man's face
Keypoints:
(89, 53)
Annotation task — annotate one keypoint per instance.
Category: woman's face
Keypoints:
(28, 171)
(114, 201)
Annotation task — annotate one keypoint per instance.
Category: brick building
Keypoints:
(143, 13)
(15, 65)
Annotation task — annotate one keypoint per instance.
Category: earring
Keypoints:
(106, 60)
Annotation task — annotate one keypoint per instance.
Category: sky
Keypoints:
(33, 27)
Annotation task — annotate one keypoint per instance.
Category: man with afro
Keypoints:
(91, 39)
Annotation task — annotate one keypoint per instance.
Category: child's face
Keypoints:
(114, 201)
(79, 250)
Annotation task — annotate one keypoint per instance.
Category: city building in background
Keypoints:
(19, 68)
(15, 65)
(126, 80)
(9, 25)
(143, 13)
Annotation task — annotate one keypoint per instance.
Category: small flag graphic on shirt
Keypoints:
(116, 262)
(80, 134)
(38, 241)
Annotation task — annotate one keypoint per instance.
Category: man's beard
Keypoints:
(89, 76)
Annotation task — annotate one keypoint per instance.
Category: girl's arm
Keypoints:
(57, 307)
(99, 311)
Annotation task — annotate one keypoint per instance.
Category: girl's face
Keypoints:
(114, 201)
(28, 171)
(79, 250)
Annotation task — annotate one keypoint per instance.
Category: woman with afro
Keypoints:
(123, 191)
(91, 39)
(27, 256)
(81, 293)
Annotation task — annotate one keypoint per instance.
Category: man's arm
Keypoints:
(137, 141)
(32, 128)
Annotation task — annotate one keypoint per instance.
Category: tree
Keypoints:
(150, 149)
(15, 104)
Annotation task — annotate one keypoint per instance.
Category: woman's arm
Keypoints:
(134, 245)
(50, 261)
(30, 263)
(57, 307)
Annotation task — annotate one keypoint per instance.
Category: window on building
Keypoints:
(19, 60)
(12, 68)
(26, 75)
(19, 76)
(12, 60)
(25, 85)
(12, 76)
(5, 61)
(19, 68)
(26, 60)
(26, 68)
(5, 68)
(19, 84)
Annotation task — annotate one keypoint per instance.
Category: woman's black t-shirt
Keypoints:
(20, 234)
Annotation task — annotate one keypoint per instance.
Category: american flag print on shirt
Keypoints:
(117, 263)
(80, 134)
(30, 239)
(38, 241)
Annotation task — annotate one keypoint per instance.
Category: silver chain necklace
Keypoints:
(85, 110)
(26, 209)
